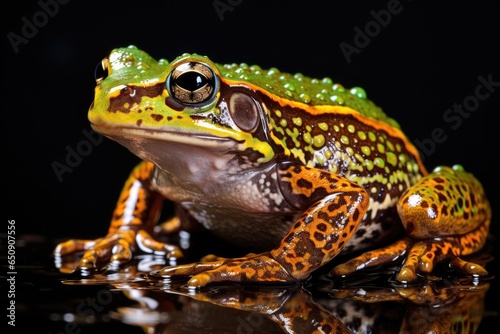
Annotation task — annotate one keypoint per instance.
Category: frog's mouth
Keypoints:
(124, 134)
(192, 157)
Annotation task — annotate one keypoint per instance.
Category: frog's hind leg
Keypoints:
(475, 241)
(446, 216)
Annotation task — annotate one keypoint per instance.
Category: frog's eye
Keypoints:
(101, 71)
(192, 83)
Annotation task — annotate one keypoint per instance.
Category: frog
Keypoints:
(296, 169)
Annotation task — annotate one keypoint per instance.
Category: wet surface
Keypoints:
(131, 301)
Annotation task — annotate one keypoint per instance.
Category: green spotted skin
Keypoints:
(303, 89)
(446, 203)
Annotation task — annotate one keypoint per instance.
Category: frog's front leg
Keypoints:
(446, 216)
(332, 209)
(133, 220)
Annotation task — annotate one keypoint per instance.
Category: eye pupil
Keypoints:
(192, 83)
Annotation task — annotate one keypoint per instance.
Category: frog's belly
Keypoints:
(262, 232)
(376, 230)
(255, 232)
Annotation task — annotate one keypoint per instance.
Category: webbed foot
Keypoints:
(116, 249)
(254, 268)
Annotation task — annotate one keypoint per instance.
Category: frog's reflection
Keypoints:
(358, 305)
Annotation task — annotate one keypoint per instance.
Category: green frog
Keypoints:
(296, 168)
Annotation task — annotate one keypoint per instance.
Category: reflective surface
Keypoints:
(130, 301)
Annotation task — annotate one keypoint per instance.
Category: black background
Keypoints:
(425, 60)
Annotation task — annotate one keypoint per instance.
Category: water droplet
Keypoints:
(359, 92)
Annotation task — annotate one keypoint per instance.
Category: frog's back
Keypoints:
(309, 91)
(327, 126)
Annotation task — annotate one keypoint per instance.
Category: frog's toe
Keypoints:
(104, 249)
(173, 225)
(121, 253)
(424, 256)
(203, 279)
(241, 273)
(373, 258)
(89, 260)
(468, 268)
(214, 258)
(211, 258)
(72, 246)
(407, 274)
(420, 259)
(149, 245)
(186, 269)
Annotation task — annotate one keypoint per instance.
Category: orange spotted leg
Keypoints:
(332, 210)
(134, 218)
(446, 216)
